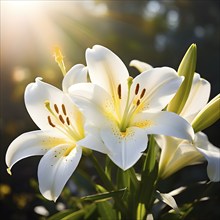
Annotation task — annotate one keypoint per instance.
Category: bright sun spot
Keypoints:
(27, 27)
(22, 6)
(22, 23)
(30, 29)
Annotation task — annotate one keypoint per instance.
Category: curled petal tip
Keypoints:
(9, 171)
(38, 79)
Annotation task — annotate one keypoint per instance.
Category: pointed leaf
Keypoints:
(105, 195)
(75, 216)
(106, 211)
(61, 214)
(100, 189)
(168, 199)
(81, 214)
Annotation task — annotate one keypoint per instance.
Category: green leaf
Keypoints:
(90, 211)
(141, 211)
(148, 182)
(81, 178)
(107, 182)
(75, 216)
(133, 177)
(108, 167)
(105, 195)
(100, 189)
(106, 211)
(81, 214)
(108, 185)
(61, 214)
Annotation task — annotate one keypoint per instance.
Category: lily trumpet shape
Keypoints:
(126, 110)
(61, 135)
(177, 153)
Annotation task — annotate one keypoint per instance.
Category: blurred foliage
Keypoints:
(157, 32)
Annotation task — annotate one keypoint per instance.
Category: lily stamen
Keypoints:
(56, 108)
(50, 122)
(142, 93)
(119, 91)
(64, 126)
(64, 109)
(68, 120)
(137, 89)
(61, 119)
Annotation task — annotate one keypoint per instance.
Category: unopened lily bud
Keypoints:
(208, 115)
(187, 69)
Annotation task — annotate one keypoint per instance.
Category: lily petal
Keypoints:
(140, 66)
(55, 168)
(77, 74)
(93, 139)
(167, 199)
(106, 69)
(93, 101)
(160, 85)
(164, 123)
(211, 154)
(198, 97)
(168, 147)
(31, 144)
(125, 147)
(185, 154)
(35, 96)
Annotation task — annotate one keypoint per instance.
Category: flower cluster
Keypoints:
(102, 108)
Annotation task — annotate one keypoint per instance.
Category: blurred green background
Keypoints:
(157, 32)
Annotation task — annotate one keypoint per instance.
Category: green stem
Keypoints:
(109, 185)
(133, 177)
(148, 181)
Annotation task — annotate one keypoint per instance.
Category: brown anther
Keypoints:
(137, 89)
(50, 122)
(68, 120)
(142, 93)
(64, 109)
(56, 108)
(119, 91)
(61, 119)
(138, 102)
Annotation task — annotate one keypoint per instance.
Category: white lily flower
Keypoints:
(126, 110)
(177, 153)
(60, 139)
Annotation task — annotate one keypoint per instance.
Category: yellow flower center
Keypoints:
(133, 105)
(59, 119)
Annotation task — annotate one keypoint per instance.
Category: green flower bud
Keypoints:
(187, 69)
(208, 115)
